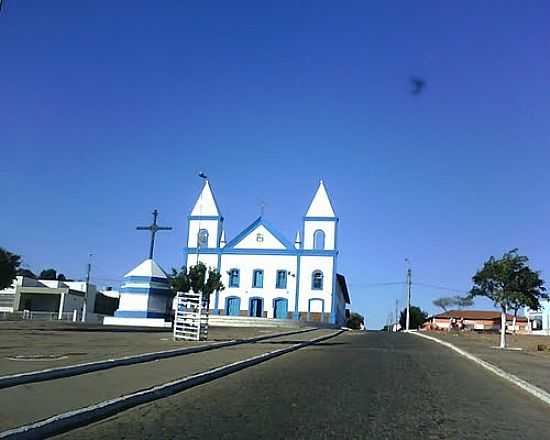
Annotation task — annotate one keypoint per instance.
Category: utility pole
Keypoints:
(409, 282)
(396, 314)
(85, 303)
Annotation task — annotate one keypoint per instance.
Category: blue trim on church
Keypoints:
(297, 252)
(145, 290)
(139, 314)
(296, 314)
(205, 217)
(321, 219)
(142, 280)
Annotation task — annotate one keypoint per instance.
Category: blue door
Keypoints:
(256, 307)
(233, 306)
(281, 309)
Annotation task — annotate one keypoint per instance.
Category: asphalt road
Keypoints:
(28, 403)
(71, 343)
(355, 386)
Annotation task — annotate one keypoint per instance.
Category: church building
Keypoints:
(265, 274)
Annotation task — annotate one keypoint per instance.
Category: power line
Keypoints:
(369, 285)
(450, 289)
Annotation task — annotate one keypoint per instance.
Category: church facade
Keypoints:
(265, 274)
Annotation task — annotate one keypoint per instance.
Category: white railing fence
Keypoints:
(75, 315)
(191, 318)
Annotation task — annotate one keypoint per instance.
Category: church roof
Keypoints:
(148, 268)
(320, 206)
(206, 204)
(271, 238)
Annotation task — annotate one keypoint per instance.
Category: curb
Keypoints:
(89, 367)
(83, 416)
(533, 390)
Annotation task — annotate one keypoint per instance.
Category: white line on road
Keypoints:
(83, 416)
(526, 386)
(89, 367)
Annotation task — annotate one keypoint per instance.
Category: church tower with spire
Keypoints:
(320, 222)
(317, 288)
(205, 229)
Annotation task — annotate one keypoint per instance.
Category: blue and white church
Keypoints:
(266, 275)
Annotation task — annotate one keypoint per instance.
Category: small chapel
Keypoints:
(266, 275)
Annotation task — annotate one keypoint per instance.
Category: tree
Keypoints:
(26, 273)
(511, 284)
(355, 321)
(48, 274)
(464, 301)
(446, 302)
(196, 279)
(443, 303)
(61, 277)
(417, 318)
(9, 264)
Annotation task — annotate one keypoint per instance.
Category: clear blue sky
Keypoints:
(109, 109)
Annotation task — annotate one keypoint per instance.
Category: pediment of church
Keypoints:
(259, 235)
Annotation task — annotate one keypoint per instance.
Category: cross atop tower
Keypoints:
(153, 228)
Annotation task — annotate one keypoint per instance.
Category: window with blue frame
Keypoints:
(317, 280)
(280, 282)
(258, 278)
(318, 239)
(234, 278)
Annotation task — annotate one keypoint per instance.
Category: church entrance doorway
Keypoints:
(256, 308)
(233, 306)
(280, 308)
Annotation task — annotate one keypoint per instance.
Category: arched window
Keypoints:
(317, 280)
(203, 238)
(318, 239)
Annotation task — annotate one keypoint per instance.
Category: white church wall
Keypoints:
(270, 264)
(309, 264)
(311, 226)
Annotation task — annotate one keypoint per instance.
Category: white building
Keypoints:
(47, 296)
(539, 320)
(266, 275)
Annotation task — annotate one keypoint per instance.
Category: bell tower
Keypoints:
(205, 222)
(320, 222)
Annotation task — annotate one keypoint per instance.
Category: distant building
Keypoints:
(266, 275)
(540, 319)
(481, 320)
(47, 296)
(107, 301)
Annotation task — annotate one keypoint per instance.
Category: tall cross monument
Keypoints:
(154, 228)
